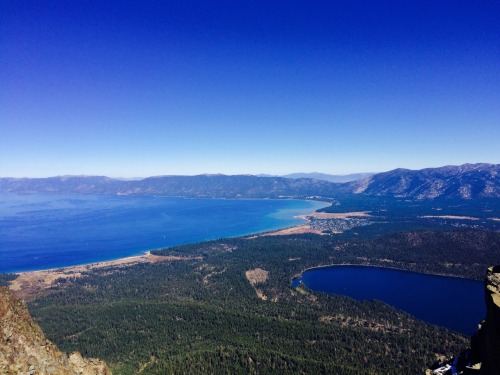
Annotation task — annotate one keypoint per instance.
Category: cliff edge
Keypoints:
(483, 356)
(25, 350)
(489, 332)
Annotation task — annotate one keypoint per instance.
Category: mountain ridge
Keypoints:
(323, 176)
(467, 181)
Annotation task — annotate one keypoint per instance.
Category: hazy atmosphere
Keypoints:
(133, 89)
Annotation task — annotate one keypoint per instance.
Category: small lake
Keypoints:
(454, 303)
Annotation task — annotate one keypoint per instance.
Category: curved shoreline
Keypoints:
(376, 266)
(273, 217)
(416, 293)
(31, 283)
(306, 228)
(146, 256)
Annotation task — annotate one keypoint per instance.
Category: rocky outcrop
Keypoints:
(25, 350)
(489, 333)
(483, 357)
(87, 366)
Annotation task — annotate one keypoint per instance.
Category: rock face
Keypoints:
(483, 356)
(489, 333)
(25, 350)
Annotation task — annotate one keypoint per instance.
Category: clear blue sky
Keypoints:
(140, 88)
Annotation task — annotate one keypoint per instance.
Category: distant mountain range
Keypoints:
(465, 181)
(468, 181)
(201, 186)
(330, 177)
(325, 176)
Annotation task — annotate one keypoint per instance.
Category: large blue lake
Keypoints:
(454, 303)
(48, 231)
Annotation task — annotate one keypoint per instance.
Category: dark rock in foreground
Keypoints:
(483, 357)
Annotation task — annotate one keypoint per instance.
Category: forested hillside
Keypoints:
(203, 315)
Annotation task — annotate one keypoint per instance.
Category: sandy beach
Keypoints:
(299, 229)
(31, 284)
(327, 215)
(306, 228)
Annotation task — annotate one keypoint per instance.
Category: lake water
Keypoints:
(47, 231)
(454, 303)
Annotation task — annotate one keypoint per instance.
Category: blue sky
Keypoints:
(140, 88)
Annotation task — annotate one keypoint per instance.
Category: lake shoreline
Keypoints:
(376, 266)
(436, 299)
(33, 283)
(147, 256)
(52, 232)
(143, 256)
